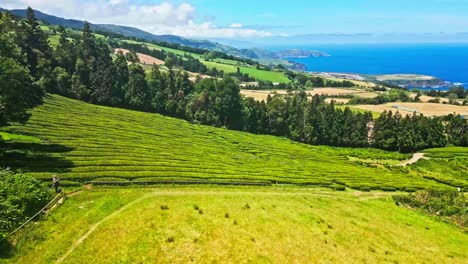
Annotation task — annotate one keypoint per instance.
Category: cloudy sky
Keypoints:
(263, 18)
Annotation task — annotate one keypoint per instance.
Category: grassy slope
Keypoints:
(228, 66)
(278, 226)
(84, 142)
(253, 72)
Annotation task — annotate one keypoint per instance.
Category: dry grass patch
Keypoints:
(428, 109)
(144, 59)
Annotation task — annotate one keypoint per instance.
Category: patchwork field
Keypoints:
(262, 95)
(82, 142)
(144, 59)
(237, 225)
(428, 109)
(404, 77)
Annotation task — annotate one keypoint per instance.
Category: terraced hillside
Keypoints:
(87, 142)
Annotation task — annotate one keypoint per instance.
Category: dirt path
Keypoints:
(96, 225)
(416, 157)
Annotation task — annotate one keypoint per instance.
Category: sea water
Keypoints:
(448, 62)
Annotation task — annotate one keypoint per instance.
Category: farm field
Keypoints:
(83, 142)
(272, 76)
(428, 109)
(228, 66)
(144, 59)
(261, 95)
(404, 77)
(237, 225)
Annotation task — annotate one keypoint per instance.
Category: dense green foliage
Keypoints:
(392, 96)
(82, 142)
(83, 68)
(23, 68)
(21, 196)
(453, 94)
(446, 165)
(411, 133)
(448, 204)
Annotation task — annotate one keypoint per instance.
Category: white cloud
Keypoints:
(162, 18)
(235, 25)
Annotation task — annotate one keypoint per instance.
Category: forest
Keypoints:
(84, 67)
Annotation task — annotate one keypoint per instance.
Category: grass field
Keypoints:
(87, 142)
(237, 225)
(272, 76)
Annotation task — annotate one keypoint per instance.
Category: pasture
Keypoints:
(272, 76)
(84, 142)
(237, 225)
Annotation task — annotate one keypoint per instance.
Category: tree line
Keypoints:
(84, 68)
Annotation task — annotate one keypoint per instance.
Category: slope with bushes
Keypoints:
(82, 142)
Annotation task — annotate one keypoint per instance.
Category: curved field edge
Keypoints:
(82, 142)
(215, 224)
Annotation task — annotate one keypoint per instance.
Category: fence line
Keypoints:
(34, 216)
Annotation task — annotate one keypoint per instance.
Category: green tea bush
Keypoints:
(448, 204)
(83, 142)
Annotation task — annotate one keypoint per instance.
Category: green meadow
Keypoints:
(237, 225)
(272, 76)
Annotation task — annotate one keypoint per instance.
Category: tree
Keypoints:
(121, 79)
(102, 76)
(136, 94)
(34, 44)
(228, 103)
(18, 93)
(81, 81)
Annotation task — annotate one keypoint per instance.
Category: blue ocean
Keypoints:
(445, 61)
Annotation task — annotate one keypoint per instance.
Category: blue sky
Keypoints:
(250, 19)
(340, 16)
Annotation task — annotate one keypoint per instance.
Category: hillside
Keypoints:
(252, 53)
(236, 225)
(82, 142)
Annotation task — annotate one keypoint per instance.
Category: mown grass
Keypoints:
(358, 110)
(82, 142)
(157, 47)
(267, 225)
(272, 76)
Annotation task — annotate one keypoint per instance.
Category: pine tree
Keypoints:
(136, 94)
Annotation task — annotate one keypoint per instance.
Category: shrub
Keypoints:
(448, 204)
(65, 183)
(21, 196)
(337, 187)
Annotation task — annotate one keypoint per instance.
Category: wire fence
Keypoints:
(51, 203)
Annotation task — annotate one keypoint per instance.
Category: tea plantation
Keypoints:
(82, 142)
